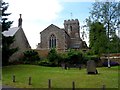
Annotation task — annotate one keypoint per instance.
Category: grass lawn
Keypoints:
(60, 78)
(0, 76)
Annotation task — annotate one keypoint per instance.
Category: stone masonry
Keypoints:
(62, 39)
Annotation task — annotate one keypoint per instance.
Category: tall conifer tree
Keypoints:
(6, 41)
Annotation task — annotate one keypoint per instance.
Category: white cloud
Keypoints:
(35, 9)
(34, 13)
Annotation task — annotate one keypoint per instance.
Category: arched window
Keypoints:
(52, 41)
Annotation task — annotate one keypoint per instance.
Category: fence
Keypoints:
(50, 83)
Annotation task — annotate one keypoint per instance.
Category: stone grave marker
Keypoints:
(91, 67)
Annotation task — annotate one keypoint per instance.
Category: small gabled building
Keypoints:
(20, 42)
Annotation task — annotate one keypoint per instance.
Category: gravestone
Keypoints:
(64, 66)
(91, 67)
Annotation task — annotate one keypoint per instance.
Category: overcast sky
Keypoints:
(39, 14)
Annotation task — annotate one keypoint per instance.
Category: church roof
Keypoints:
(52, 25)
(10, 31)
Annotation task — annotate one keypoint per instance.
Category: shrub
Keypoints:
(53, 57)
(44, 62)
(31, 57)
(93, 57)
(111, 63)
(87, 57)
(75, 57)
(70, 57)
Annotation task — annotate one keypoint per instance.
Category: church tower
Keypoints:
(20, 21)
(73, 29)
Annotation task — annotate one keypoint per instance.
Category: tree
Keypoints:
(115, 45)
(98, 38)
(108, 14)
(6, 41)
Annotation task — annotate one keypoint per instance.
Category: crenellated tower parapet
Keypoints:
(72, 27)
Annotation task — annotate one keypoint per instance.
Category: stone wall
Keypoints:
(115, 57)
(111, 59)
(42, 53)
(21, 43)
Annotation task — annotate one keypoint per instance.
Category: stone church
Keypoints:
(62, 38)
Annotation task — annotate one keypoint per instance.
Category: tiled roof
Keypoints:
(11, 31)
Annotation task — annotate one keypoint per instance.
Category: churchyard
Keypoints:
(24, 67)
(60, 78)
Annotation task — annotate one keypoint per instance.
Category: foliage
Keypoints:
(63, 57)
(53, 57)
(44, 62)
(111, 63)
(31, 57)
(106, 13)
(6, 41)
(98, 39)
(75, 57)
(70, 57)
(114, 45)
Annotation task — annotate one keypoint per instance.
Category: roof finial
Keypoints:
(20, 21)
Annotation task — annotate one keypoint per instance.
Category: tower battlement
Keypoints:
(71, 21)
(72, 27)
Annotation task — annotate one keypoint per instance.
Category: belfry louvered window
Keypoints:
(52, 41)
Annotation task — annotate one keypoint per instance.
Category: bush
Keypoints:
(70, 57)
(87, 57)
(93, 57)
(31, 57)
(44, 62)
(53, 57)
(75, 57)
(111, 63)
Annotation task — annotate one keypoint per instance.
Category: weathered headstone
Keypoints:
(91, 67)
(64, 66)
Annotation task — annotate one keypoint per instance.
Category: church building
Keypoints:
(20, 40)
(62, 38)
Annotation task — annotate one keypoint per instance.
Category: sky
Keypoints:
(39, 14)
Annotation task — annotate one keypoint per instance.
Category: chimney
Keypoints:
(20, 21)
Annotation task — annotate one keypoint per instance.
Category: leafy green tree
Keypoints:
(6, 41)
(107, 13)
(98, 38)
(115, 45)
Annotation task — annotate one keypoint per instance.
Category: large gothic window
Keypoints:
(52, 41)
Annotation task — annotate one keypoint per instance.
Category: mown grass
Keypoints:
(60, 78)
(0, 78)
